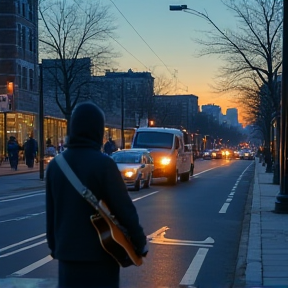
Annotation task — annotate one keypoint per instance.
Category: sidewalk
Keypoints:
(267, 252)
(23, 181)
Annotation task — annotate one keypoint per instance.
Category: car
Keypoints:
(228, 153)
(136, 167)
(216, 154)
(207, 154)
(247, 154)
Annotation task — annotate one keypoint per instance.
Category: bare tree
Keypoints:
(252, 53)
(70, 31)
(163, 85)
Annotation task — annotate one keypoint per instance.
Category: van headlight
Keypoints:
(129, 173)
(165, 161)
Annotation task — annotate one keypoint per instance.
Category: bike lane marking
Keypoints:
(189, 278)
(232, 193)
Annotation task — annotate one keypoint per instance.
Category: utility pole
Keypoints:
(41, 123)
(122, 114)
(281, 203)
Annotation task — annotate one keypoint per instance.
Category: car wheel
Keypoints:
(148, 181)
(137, 185)
(173, 178)
(184, 177)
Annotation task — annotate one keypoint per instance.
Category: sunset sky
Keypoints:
(151, 37)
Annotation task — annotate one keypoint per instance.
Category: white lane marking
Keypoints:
(204, 171)
(23, 249)
(232, 193)
(32, 267)
(22, 197)
(23, 217)
(224, 208)
(139, 198)
(194, 268)
(22, 242)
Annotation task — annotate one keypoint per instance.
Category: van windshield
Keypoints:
(153, 140)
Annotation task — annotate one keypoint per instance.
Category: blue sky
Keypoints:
(170, 35)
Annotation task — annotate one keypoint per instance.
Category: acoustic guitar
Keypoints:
(113, 239)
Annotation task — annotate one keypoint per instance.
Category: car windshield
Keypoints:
(126, 157)
(153, 140)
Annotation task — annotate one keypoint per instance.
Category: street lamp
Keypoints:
(41, 123)
(178, 7)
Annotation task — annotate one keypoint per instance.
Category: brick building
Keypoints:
(18, 69)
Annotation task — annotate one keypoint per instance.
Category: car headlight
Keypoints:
(227, 153)
(129, 173)
(165, 161)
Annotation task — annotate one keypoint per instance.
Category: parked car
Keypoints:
(136, 167)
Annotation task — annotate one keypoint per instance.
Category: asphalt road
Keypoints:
(194, 230)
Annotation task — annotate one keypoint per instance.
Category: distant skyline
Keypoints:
(162, 42)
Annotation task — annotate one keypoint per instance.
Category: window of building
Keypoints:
(30, 10)
(24, 78)
(31, 80)
(19, 76)
(30, 37)
(19, 7)
(23, 10)
(19, 32)
(24, 37)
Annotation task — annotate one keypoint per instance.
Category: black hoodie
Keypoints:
(70, 234)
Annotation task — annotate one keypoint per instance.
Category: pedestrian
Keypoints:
(61, 147)
(13, 151)
(30, 150)
(109, 147)
(50, 148)
(70, 234)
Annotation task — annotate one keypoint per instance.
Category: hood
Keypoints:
(86, 126)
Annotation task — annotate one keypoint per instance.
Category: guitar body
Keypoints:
(113, 240)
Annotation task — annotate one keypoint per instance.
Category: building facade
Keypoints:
(213, 110)
(232, 117)
(18, 70)
(175, 111)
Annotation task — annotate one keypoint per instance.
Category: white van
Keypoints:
(172, 158)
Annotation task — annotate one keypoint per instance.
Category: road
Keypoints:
(194, 230)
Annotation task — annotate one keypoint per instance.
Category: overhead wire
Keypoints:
(141, 39)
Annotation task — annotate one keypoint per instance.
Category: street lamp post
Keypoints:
(41, 124)
(281, 203)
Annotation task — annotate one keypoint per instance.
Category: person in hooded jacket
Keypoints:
(70, 234)
(13, 150)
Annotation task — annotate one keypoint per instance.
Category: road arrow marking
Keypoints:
(158, 237)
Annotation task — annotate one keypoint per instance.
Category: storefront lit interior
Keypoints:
(22, 125)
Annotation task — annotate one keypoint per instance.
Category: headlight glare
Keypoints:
(165, 161)
(129, 174)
